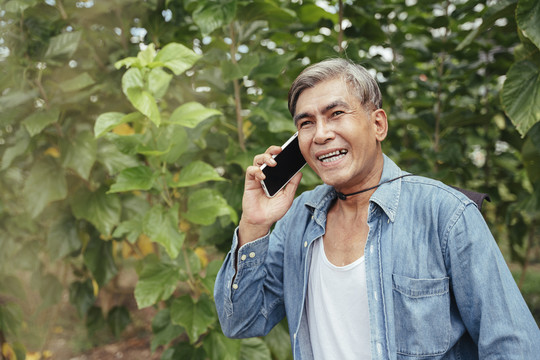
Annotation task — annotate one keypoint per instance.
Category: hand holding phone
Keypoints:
(289, 162)
(261, 209)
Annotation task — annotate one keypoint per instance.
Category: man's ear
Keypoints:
(380, 122)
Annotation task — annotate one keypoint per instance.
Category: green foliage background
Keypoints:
(126, 126)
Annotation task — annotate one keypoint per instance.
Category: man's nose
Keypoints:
(323, 133)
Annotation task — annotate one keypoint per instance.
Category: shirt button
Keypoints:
(243, 257)
(235, 286)
(252, 254)
(305, 243)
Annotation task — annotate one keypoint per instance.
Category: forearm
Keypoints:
(240, 291)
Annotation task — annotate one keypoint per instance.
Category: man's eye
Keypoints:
(337, 113)
(303, 124)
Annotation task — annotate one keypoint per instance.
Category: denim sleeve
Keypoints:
(248, 291)
(488, 299)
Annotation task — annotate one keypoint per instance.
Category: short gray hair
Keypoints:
(357, 77)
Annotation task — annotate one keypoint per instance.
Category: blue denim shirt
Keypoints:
(438, 286)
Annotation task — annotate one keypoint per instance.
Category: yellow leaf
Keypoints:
(47, 354)
(184, 226)
(248, 128)
(33, 356)
(126, 251)
(8, 353)
(96, 287)
(123, 129)
(58, 330)
(145, 245)
(52, 152)
(203, 257)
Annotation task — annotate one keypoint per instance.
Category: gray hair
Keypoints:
(357, 77)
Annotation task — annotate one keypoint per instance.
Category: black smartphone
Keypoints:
(289, 162)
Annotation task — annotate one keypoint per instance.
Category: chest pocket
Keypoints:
(422, 315)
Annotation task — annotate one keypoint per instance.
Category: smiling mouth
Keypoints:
(333, 156)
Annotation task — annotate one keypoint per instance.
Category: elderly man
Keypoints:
(374, 264)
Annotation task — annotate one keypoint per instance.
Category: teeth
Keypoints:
(333, 156)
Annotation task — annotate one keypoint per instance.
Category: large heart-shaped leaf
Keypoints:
(521, 95)
(135, 178)
(528, 19)
(176, 57)
(194, 316)
(157, 281)
(195, 173)
(205, 205)
(191, 114)
(100, 209)
(161, 226)
(46, 183)
(80, 153)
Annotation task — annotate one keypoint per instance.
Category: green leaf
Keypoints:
(95, 320)
(11, 318)
(46, 183)
(63, 238)
(81, 295)
(176, 57)
(38, 121)
(133, 78)
(195, 173)
(272, 66)
(77, 83)
(500, 9)
(254, 349)
(528, 19)
(100, 209)
(520, 95)
(220, 347)
(143, 101)
(161, 226)
(269, 11)
(205, 205)
(131, 229)
(211, 274)
(20, 147)
(194, 316)
(63, 44)
(163, 329)
(18, 6)
(112, 159)
(135, 178)
(279, 342)
(80, 153)
(191, 114)
(212, 16)
(108, 121)
(118, 319)
(50, 290)
(157, 282)
(242, 68)
(158, 82)
(147, 55)
(128, 62)
(98, 258)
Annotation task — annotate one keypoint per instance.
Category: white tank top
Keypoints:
(337, 308)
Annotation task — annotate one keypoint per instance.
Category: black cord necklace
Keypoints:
(343, 196)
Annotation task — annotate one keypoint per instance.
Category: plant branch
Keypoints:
(237, 99)
(340, 34)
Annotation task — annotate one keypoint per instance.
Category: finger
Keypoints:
(293, 184)
(255, 173)
(265, 158)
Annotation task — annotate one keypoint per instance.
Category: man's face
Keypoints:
(338, 137)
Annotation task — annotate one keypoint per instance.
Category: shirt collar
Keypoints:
(386, 196)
